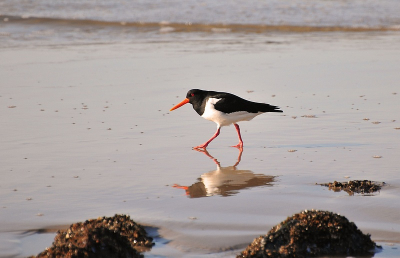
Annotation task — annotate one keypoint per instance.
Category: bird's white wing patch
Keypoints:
(212, 101)
(210, 113)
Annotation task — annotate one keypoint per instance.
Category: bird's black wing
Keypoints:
(230, 103)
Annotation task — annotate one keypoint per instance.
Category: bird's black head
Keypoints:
(195, 97)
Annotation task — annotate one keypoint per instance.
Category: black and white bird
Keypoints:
(224, 109)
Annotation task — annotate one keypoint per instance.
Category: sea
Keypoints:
(106, 21)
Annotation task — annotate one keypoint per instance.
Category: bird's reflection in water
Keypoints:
(225, 181)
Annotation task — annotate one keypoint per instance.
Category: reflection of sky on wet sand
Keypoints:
(100, 140)
(225, 181)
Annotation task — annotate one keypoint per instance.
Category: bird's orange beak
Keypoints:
(185, 101)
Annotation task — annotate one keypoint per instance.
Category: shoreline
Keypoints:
(169, 27)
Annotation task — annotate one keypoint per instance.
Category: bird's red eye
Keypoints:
(192, 94)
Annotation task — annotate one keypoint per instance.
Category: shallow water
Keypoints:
(88, 133)
(46, 22)
(356, 13)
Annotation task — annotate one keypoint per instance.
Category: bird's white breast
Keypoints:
(224, 119)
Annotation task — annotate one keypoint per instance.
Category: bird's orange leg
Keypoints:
(208, 155)
(240, 144)
(186, 188)
(239, 157)
(204, 145)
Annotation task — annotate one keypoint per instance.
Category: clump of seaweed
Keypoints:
(311, 233)
(355, 186)
(117, 236)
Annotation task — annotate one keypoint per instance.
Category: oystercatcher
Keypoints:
(224, 109)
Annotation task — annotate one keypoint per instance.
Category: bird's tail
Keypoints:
(271, 108)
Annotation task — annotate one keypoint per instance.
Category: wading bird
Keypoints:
(224, 109)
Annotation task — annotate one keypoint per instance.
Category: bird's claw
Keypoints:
(238, 146)
(200, 147)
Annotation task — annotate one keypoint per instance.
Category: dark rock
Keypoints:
(311, 233)
(117, 236)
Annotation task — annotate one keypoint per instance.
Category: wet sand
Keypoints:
(87, 133)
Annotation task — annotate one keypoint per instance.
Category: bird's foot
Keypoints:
(203, 150)
(238, 146)
(201, 147)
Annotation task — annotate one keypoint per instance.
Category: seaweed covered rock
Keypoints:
(117, 236)
(356, 186)
(311, 233)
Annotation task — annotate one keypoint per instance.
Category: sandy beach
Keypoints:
(86, 132)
